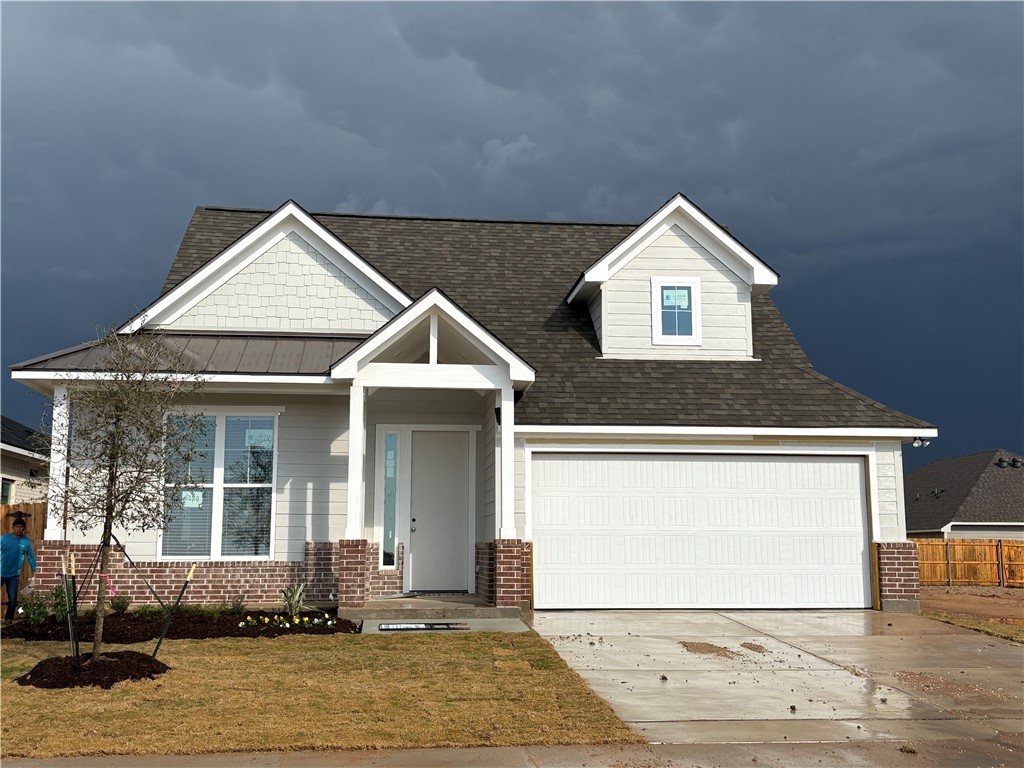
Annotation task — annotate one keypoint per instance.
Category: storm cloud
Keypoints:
(871, 153)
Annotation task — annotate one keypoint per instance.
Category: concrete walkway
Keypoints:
(794, 676)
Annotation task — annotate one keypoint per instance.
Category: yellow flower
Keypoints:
(306, 619)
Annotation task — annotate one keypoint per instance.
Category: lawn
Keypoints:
(992, 626)
(307, 693)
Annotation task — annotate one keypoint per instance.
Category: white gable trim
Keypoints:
(679, 212)
(350, 366)
(285, 220)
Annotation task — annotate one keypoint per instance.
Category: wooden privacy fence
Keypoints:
(983, 562)
(35, 524)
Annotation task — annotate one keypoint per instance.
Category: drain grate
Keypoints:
(422, 626)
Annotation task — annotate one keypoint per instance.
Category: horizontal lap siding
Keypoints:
(724, 297)
(312, 463)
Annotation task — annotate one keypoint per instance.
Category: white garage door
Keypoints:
(688, 531)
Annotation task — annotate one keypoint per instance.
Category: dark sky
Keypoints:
(871, 153)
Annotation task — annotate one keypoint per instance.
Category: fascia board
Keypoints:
(873, 433)
(218, 271)
(8, 448)
(29, 377)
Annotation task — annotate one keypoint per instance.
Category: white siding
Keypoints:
(520, 487)
(888, 490)
(290, 287)
(26, 489)
(724, 303)
(413, 406)
(487, 530)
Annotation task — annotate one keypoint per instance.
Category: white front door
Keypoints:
(439, 512)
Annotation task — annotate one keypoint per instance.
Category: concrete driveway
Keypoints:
(691, 677)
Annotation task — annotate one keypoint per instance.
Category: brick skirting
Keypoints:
(513, 573)
(380, 580)
(258, 582)
(899, 576)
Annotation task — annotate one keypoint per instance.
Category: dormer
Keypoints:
(678, 287)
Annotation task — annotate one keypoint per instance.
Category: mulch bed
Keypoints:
(108, 669)
(127, 628)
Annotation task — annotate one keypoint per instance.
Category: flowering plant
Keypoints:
(285, 621)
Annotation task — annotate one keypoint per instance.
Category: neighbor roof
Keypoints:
(17, 435)
(965, 489)
(512, 276)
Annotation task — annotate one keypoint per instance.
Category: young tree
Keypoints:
(129, 437)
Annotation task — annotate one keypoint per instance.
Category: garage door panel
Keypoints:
(692, 531)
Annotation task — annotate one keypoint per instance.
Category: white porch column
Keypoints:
(58, 463)
(356, 448)
(508, 473)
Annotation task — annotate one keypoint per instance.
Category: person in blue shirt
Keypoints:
(14, 547)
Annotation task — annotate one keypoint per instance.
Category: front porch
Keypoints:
(431, 491)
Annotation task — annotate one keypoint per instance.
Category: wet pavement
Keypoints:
(801, 677)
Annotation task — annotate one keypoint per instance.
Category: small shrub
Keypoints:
(295, 599)
(199, 611)
(58, 603)
(120, 603)
(148, 611)
(236, 606)
(88, 616)
(35, 607)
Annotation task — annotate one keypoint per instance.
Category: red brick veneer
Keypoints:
(214, 582)
(380, 580)
(513, 573)
(899, 574)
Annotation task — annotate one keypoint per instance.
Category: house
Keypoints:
(562, 415)
(23, 460)
(979, 496)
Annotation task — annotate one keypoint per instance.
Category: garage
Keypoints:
(664, 530)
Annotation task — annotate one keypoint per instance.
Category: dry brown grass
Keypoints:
(307, 693)
(994, 627)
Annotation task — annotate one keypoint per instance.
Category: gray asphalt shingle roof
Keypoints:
(16, 434)
(513, 278)
(965, 489)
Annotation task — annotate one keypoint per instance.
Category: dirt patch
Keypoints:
(999, 603)
(754, 647)
(708, 649)
(128, 628)
(108, 670)
(954, 689)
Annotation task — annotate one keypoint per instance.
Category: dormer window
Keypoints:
(675, 311)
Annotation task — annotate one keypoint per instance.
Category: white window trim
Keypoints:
(657, 337)
(218, 487)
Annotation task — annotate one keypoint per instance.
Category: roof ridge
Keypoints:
(411, 217)
(861, 396)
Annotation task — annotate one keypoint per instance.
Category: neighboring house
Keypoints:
(979, 496)
(23, 460)
(564, 414)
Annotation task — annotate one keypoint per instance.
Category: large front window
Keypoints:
(227, 508)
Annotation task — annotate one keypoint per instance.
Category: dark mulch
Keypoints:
(108, 669)
(127, 628)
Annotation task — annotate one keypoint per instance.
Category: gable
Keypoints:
(721, 298)
(291, 286)
(277, 276)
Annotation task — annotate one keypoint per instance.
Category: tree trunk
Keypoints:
(101, 592)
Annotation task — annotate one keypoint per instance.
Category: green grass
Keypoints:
(988, 626)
